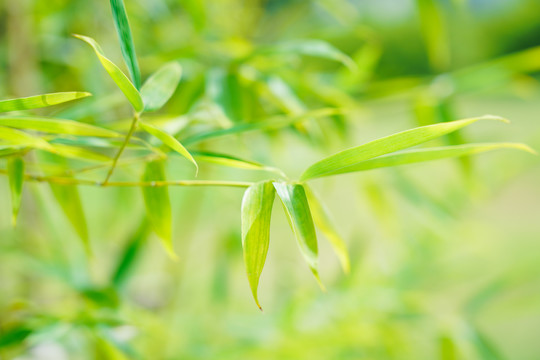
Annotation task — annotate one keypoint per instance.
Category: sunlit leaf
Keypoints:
(159, 88)
(256, 214)
(75, 152)
(56, 126)
(126, 40)
(16, 137)
(232, 161)
(350, 157)
(323, 221)
(318, 48)
(40, 101)
(158, 204)
(131, 93)
(170, 141)
(15, 168)
(298, 213)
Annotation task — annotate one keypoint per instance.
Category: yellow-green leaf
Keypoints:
(131, 93)
(346, 158)
(40, 101)
(15, 168)
(74, 152)
(256, 214)
(56, 126)
(16, 137)
(159, 88)
(234, 162)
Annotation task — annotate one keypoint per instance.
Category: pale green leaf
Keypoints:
(16, 137)
(298, 213)
(131, 93)
(15, 168)
(126, 40)
(158, 204)
(159, 88)
(40, 101)
(170, 141)
(318, 48)
(346, 158)
(323, 221)
(234, 162)
(74, 152)
(56, 126)
(256, 214)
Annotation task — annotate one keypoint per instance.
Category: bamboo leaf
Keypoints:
(131, 93)
(170, 141)
(40, 101)
(346, 158)
(293, 197)
(158, 205)
(323, 221)
(16, 137)
(56, 126)
(234, 162)
(74, 152)
(15, 168)
(256, 214)
(69, 200)
(123, 30)
(159, 88)
(428, 154)
(318, 48)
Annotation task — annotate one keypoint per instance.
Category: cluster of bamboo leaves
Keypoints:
(68, 139)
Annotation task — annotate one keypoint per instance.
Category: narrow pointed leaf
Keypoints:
(56, 126)
(131, 93)
(74, 152)
(323, 221)
(298, 213)
(256, 214)
(69, 200)
(158, 205)
(234, 162)
(123, 30)
(40, 101)
(346, 158)
(159, 88)
(16, 137)
(318, 48)
(170, 141)
(15, 168)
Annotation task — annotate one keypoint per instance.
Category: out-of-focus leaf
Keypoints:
(223, 89)
(159, 88)
(285, 96)
(74, 152)
(427, 154)
(323, 221)
(129, 256)
(69, 200)
(16, 137)
(447, 347)
(317, 48)
(434, 33)
(485, 348)
(158, 204)
(14, 336)
(131, 93)
(123, 30)
(350, 157)
(298, 213)
(232, 161)
(40, 101)
(15, 168)
(170, 141)
(11, 150)
(56, 126)
(256, 214)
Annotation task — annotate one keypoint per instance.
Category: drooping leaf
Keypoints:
(427, 154)
(298, 213)
(233, 161)
(15, 168)
(323, 221)
(123, 30)
(159, 87)
(346, 158)
(256, 214)
(318, 48)
(40, 101)
(170, 141)
(69, 200)
(131, 93)
(158, 204)
(56, 126)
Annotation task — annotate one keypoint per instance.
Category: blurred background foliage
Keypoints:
(444, 255)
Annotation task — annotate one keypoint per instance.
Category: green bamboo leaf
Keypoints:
(69, 200)
(20, 138)
(123, 30)
(234, 162)
(346, 158)
(56, 126)
(40, 101)
(293, 197)
(15, 168)
(158, 205)
(74, 152)
(131, 93)
(318, 48)
(170, 141)
(256, 214)
(323, 221)
(428, 154)
(159, 88)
